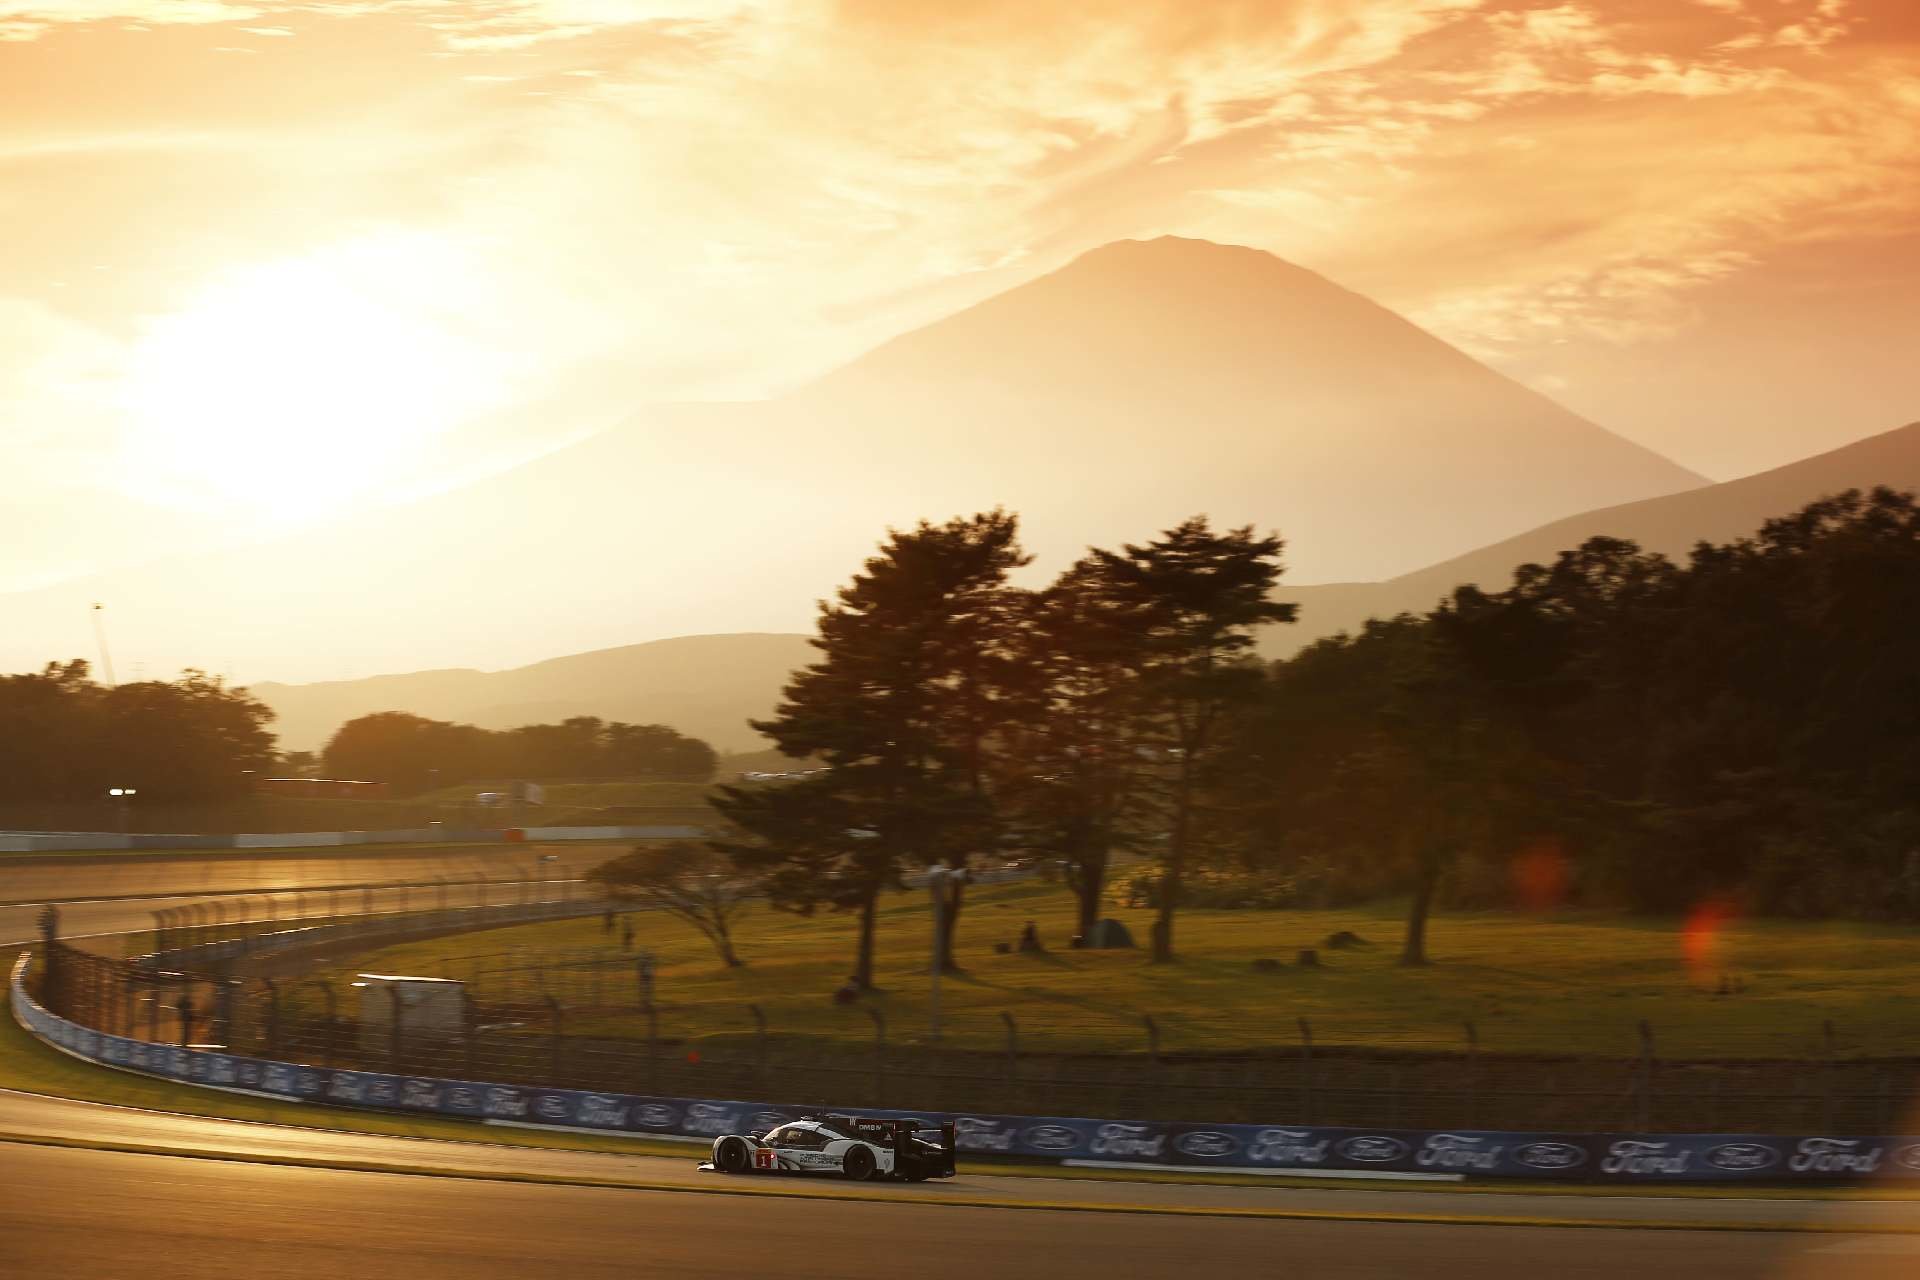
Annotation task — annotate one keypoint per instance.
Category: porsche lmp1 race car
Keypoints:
(849, 1146)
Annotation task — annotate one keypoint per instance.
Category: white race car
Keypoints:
(849, 1146)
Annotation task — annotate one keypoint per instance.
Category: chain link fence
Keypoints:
(587, 1019)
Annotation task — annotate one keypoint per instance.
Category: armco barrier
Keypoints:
(1594, 1157)
(90, 841)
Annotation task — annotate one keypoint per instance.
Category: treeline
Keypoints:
(1615, 728)
(65, 737)
(414, 754)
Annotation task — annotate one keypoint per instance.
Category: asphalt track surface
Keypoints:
(235, 1199)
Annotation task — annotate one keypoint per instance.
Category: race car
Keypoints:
(851, 1146)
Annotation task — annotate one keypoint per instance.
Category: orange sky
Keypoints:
(445, 236)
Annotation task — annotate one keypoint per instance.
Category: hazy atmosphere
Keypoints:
(957, 638)
(279, 266)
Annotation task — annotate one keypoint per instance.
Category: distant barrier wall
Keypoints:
(1301, 1149)
(68, 841)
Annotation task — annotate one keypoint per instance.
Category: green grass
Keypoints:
(1564, 985)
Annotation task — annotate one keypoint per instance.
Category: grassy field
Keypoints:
(1560, 985)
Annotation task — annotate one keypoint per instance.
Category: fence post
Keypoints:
(470, 1026)
(184, 1007)
(129, 1000)
(333, 1004)
(273, 1016)
(1646, 1077)
(396, 1030)
(1013, 1047)
(1827, 1074)
(153, 1010)
(553, 1065)
(879, 1055)
(1473, 1075)
(1306, 1070)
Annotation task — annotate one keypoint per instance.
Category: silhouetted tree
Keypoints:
(899, 706)
(689, 882)
(1196, 596)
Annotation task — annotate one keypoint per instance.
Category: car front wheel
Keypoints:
(732, 1156)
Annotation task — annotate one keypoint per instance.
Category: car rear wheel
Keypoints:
(732, 1155)
(857, 1164)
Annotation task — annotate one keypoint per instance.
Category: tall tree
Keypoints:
(1196, 596)
(899, 706)
(1078, 751)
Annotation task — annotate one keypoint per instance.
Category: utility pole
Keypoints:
(100, 635)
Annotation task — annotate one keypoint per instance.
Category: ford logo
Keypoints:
(1908, 1157)
(1742, 1156)
(1206, 1144)
(652, 1115)
(1373, 1149)
(766, 1120)
(1051, 1137)
(464, 1099)
(1551, 1155)
(552, 1108)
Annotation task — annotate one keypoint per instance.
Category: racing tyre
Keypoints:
(857, 1164)
(732, 1156)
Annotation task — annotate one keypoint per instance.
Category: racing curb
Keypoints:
(1040, 1206)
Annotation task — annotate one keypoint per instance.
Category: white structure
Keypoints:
(430, 1009)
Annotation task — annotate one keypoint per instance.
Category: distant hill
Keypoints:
(710, 686)
(1672, 525)
(1139, 384)
(706, 686)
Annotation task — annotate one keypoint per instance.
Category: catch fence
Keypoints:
(593, 1020)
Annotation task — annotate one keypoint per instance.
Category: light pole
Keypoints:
(938, 878)
(125, 796)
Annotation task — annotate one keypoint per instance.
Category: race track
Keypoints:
(245, 1200)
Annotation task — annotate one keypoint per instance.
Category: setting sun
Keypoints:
(291, 389)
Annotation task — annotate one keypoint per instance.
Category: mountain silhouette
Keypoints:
(1137, 385)
(710, 686)
(1670, 525)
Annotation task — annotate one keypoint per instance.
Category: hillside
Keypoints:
(1671, 525)
(1133, 387)
(706, 686)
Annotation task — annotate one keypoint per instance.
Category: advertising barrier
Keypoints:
(1306, 1149)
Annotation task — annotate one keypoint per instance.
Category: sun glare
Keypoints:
(289, 390)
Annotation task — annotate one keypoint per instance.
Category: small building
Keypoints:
(430, 1009)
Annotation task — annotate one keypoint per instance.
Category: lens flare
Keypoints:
(1702, 939)
(1540, 876)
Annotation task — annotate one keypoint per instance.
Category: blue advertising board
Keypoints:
(1601, 1157)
